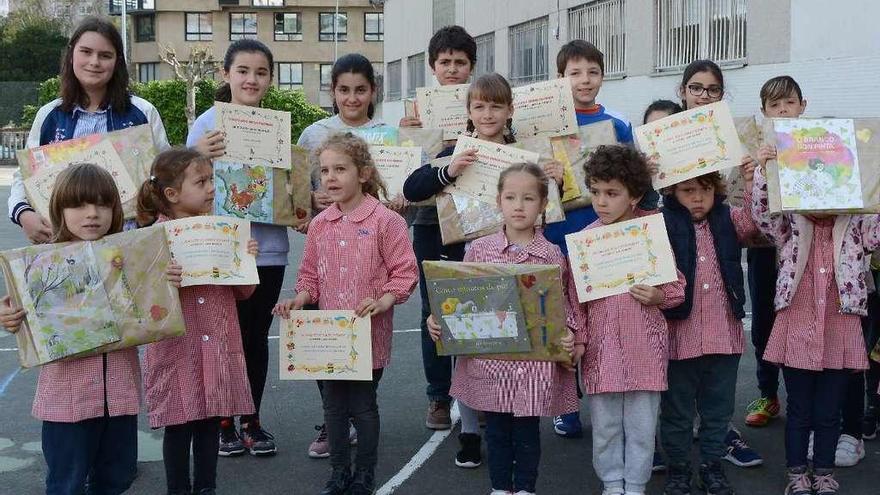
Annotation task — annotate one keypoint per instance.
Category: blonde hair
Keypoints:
(359, 151)
(80, 184)
(168, 170)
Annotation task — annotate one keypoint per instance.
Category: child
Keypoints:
(780, 97)
(369, 245)
(247, 72)
(706, 331)
(625, 347)
(514, 403)
(94, 100)
(452, 53)
(192, 381)
(490, 108)
(584, 65)
(817, 335)
(353, 88)
(89, 419)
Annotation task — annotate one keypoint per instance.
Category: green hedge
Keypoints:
(169, 97)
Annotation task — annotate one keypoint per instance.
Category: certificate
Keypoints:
(325, 345)
(394, 164)
(212, 250)
(254, 136)
(691, 143)
(544, 108)
(818, 164)
(480, 179)
(608, 260)
(444, 107)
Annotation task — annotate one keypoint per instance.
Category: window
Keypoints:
(242, 25)
(688, 30)
(268, 3)
(415, 74)
(485, 55)
(393, 80)
(288, 26)
(443, 13)
(325, 20)
(528, 52)
(326, 76)
(145, 27)
(147, 72)
(374, 26)
(115, 6)
(601, 23)
(198, 26)
(290, 75)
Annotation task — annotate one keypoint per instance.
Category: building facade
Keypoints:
(70, 12)
(300, 35)
(832, 51)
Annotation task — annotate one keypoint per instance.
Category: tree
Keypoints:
(31, 46)
(200, 65)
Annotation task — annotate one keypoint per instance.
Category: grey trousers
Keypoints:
(623, 437)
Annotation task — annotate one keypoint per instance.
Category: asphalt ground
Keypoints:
(412, 459)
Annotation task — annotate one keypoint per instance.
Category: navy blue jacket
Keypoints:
(426, 181)
(683, 238)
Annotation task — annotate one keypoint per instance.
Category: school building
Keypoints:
(305, 36)
(831, 48)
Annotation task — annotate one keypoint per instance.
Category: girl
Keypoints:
(369, 245)
(514, 405)
(817, 335)
(88, 405)
(353, 89)
(490, 111)
(94, 100)
(193, 380)
(624, 348)
(247, 72)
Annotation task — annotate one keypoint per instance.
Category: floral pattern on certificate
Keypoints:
(254, 136)
(325, 345)
(212, 250)
(544, 108)
(480, 180)
(394, 164)
(444, 107)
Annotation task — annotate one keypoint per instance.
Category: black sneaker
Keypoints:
(339, 482)
(712, 479)
(230, 442)
(469, 455)
(363, 483)
(257, 440)
(869, 423)
(678, 479)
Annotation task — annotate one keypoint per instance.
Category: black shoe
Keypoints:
(363, 483)
(678, 479)
(469, 455)
(869, 423)
(712, 479)
(339, 482)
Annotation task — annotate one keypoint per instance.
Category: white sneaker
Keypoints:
(810, 448)
(849, 451)
(523, 492)
(499, 492)
(614, 491)
(352, 435)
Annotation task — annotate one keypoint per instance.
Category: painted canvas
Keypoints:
(244, 191)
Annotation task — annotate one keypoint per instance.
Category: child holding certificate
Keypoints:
(247, 72)
(625, 347)
(706, 330)
(89, 420)
(821, 292)
(357, 257)
(512, 393)
(192, 381)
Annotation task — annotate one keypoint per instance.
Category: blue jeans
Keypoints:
(814, 402)
(514, 445)
(95, 456)
(428, 245)
(762, 272)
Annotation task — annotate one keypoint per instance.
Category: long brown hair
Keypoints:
(80, 184)
(72, 92)
(359, 152)
(492, 88)
(168, 170)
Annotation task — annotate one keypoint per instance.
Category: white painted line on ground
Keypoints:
(420, 458)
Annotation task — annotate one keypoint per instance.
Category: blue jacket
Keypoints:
(683, 238)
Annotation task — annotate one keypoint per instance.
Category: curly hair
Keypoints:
(712, 179)
(359, 152)
(630, 167)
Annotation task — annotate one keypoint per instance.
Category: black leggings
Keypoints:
(202, 436)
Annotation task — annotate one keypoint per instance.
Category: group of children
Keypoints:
(656, 356)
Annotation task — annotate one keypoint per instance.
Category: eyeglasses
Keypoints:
(712, 91)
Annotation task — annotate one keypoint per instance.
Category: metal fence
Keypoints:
(602, 24)
(528, 52)
(687, 30)
(11, 139)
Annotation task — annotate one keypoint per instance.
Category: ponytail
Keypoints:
(168, 170)
(223, 93)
